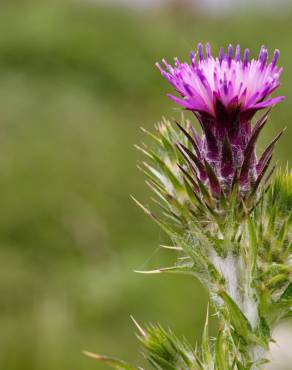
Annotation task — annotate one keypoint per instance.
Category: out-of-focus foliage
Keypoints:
(77, 81)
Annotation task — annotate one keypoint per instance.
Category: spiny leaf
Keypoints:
(287, 295)
(272, 220)
(240, 323)
(166, 352)
(253, 240)
(282, 232)
(155, 138)
(168, 172)
(221, 356)
(277, 281)
(206, 351)
(169, 148)
(144, 209)
(144, 151)
(169, 230)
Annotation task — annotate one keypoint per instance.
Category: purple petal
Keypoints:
(268, 102)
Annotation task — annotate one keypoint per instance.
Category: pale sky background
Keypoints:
(216, 6)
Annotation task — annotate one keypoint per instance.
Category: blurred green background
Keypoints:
(77, 79)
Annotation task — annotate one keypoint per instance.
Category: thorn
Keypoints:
(207, 316)
(244, 207)
(143, 150)
(146, 210)
(141, 331)
(171, 247)
(148, 271)
(92, 355)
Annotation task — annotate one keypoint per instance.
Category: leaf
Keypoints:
(173, 179)
(282, 233)
(241, 367)
(221, 359)
(154, 137)
(169, 230)
(278, 282)
(169, 148)
(144, 209)
(165, 352)
(240, 323)
(272, 220)
(111, 361)
(253, 241)
(144, 151)
(206, 351)
(287, 295)
(264, 330)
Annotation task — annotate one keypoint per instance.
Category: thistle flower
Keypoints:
(225, 85)
(224, 93)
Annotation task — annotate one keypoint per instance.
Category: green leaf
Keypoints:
(155, 138)
(253, 246)
(221, 358)
(287, 295)
(264, 330)
(168, 172)
(165, 351)
(169, 148)
(206, 351)
(239, 322)
(282, 233)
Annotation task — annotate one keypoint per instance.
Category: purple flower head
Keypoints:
(224, 93)
(224, 86)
